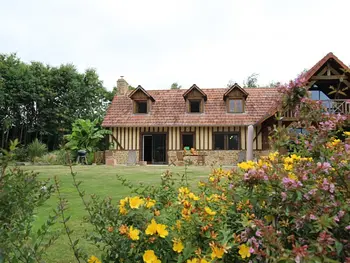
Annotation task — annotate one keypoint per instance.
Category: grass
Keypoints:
(102, 181)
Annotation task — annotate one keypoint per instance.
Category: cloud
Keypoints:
(154, 43)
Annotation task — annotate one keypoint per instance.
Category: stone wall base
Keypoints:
(210, 158)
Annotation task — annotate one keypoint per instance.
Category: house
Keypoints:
(155, 126)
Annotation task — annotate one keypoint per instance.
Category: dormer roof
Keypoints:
(192, 88)
(234, 87)
(139, 88)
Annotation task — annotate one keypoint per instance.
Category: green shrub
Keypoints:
(36, 149)
(21, 193)
(21, 154)
(49, 158)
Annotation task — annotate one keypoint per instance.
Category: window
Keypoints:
(226, 141)
(141, 107)
(187, 140)
(195, 105)
(318, 95)
(235, 105)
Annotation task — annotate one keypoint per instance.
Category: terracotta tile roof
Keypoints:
(319, 64)
(169, 109)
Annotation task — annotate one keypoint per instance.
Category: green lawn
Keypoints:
(100, 180)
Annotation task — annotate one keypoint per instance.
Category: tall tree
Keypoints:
(251, 81)
(175, 85)
(39, 101)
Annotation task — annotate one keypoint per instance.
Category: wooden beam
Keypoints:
(115, 139)
(331, 77)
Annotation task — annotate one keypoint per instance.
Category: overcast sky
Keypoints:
(157, 42)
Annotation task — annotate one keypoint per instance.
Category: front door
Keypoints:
(154, 148)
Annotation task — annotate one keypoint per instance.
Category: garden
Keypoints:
(288, 206)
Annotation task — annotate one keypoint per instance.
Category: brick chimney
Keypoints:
(122, 86)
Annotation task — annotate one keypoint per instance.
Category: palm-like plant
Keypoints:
(86, 135)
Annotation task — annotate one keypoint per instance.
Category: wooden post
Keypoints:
(250, 143)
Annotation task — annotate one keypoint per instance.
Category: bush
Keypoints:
(49, 158)
(21, 154)
(36, 149)
(286, 207)
(21, 193)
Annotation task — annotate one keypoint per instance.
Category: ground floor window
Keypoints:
(187, 140)
(226, 141)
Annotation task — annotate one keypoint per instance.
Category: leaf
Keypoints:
(338, 247)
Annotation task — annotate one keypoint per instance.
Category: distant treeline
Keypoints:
(40, 101)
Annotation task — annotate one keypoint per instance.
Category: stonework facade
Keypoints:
(208, 158)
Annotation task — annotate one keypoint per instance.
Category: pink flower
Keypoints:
(284, 196)
(258, 233)
(324, 166)
(313, 217)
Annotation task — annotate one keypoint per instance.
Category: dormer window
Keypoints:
(235, 105)
(142, 100)
(141, 106)
(235, 98)
(195, 99)
(195, 106)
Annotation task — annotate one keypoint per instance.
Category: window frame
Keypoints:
(136, 106)
(235, 99)
(188, 133)
(201, 106)
(226, 141)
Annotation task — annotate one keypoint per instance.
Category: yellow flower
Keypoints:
(136, 202)
(295, 157)
(244, 251)
(197, 260)
(150, 257)
(122, 204)
(246, 165)
(151, 228)
(123, 210)
(201, 184)
(288, 167)
(178, 224)
(193, 196)
(150, 203)
(184, 190)
(124, 201)
(134, 233)
(217, 252)
(178, 246)
(161, 230)
(336, 142)
(347, 133)
(209, 211)
(272, 156)
(292, 176)
(94, 259)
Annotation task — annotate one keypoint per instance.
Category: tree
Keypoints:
(175, 85)
(274, 84)
(86, 135)
(251, 81)
(40, 101)
(230, 83)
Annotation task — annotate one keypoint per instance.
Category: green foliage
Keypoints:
(21, 193)
(251, 81)
(36, 149)
(40, 101)
(282, 208)
(86, 135)
(21, 154)
(175, 85)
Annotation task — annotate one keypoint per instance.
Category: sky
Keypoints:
(154, 43)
